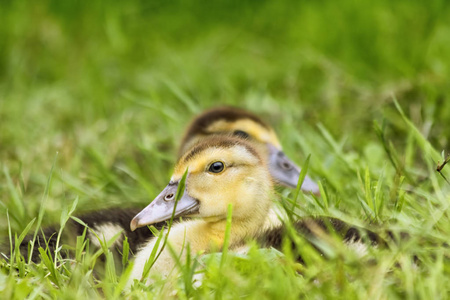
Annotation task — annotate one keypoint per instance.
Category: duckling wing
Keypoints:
(314, 229)
(105, 223)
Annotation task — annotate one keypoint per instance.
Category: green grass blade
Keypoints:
(226, 241)
(43, 201)
(17, 204)
(301, 178)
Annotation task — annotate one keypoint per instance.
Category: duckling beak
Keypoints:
(286, 172)
(162, 208)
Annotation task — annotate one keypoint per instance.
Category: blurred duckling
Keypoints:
(244, 124)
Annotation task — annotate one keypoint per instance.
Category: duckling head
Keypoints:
(222, 170)
(245, 125)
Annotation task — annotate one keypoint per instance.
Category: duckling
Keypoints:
(244, 124)
(222, 171)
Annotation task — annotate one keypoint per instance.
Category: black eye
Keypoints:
(241, 134)
(216, 167)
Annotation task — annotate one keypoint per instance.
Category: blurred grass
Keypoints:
(111, 85)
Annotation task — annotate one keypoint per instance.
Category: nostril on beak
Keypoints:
(286, 166)
(169, 197)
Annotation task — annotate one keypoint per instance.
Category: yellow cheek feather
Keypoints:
(256, 130)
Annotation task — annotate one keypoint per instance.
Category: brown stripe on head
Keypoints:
(209, 117)
(222, 141)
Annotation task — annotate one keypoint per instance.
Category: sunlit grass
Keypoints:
(94, 99)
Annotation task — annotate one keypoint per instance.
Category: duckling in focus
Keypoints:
(244, 124)
(222, 171)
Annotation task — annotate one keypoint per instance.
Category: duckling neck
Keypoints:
(241, 228)
(201, 235)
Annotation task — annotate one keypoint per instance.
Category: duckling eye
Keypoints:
(216, 167)
(241, 134)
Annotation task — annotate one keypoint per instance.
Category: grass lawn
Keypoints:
(95, 96)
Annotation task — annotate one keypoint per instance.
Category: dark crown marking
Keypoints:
(209, 117)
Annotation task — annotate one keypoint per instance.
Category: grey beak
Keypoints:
(161, 209)
(287, 173)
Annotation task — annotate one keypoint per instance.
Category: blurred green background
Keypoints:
(111, 85)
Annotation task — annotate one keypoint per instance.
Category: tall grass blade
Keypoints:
(301, 178)
(226, 241)
(42, 207)
(17, 204)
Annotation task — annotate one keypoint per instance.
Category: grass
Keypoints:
(94, 98)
